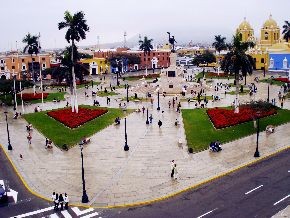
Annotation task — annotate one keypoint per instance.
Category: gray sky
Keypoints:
(197, 20)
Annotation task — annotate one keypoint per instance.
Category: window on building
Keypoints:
(22, 60)
(33, 59)
(148, 59)
(262, 60)
(13, 60)
(13, 67)
(153, 53)
(163, 58)
(43, 59)
(2, 68)
(43, 65)
(2, 61)
(144, 59)
(23, 67)
(266, 36)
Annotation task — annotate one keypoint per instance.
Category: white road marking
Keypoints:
(207, 213)
(90, 215)
(11, 193)
(54, 215)
(281, 200)
(253, 189)
(288, 171)
(66, 214)
(78, 212)
(34, 212)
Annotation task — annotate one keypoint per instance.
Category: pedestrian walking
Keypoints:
(143, 109)
(53, 197)
(169, 104)
(29, 137)
(150, 118)
(61, 201)
(175, 172)
(159, 123)
(46, 142)
(172, 168)
(66, 200)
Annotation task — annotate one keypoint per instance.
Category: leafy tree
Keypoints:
(32, 47)
(85, 56)
(219, 43)
(236, 61)
(286, 31)
(76, 30)
(207, 57)
(146, 46)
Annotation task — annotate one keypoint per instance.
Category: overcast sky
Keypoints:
(197, 20)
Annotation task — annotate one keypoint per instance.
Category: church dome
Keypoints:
(270, 23)
(245, 25)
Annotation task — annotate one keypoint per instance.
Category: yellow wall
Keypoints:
(101, 62)
(260, 63)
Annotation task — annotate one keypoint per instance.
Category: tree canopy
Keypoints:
(286, 31)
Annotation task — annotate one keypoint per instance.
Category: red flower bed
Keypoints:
(211, 74)
(32, 96)
(284, 80)
(73, 120)
(222, 118)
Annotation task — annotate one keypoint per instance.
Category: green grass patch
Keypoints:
(132, 98)
(89, 84)
(103, 94)
(206, 75)
(200, 131)
(60, 134)
(245, 92)
(272, 82)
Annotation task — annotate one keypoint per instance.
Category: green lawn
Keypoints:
(200, 131)
(245, 92)
(200, 75)
(103, 94)
(61, 134)
(89, 84)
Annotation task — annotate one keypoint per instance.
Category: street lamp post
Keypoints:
(158, 106)
(127, 87)
(257, 153)
(265, 68)
(126, 147)
(8, 135)
(268, 98)
(92, 83)
(85, 198)
(147, 120)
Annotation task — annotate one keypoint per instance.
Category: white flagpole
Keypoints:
(14, 76)
(40, 80)
(21, 98)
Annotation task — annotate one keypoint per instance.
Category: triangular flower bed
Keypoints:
(32, 96)
(222, 117)
(73, 120)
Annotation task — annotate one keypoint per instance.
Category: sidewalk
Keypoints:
(115, 177)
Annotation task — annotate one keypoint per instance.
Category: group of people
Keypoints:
(215, 146)
(48, 143)
(60, 200)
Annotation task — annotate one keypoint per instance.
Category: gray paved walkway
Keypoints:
(116, 177)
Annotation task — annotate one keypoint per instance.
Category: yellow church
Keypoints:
(270, 42)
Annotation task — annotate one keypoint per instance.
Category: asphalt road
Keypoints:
(265, 183)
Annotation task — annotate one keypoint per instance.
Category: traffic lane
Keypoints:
(25, 200)
(226, 193)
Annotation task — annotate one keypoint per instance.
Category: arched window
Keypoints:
(262, 60)
(266, 36)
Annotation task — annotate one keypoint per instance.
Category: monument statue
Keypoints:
(171, 41)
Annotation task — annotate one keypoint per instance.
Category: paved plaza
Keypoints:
(115, 177)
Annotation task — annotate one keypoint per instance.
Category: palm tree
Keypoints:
(146, 46)
(32, 47)
(286, 31)
(77, 28)
(237, 60)
(219, 43)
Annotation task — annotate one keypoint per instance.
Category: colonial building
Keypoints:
(156, 58)
(20, 65)
(96, 66)
(270, 51)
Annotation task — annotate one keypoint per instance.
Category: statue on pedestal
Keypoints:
(171, 41)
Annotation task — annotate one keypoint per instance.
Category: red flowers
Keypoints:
(32, 96)
(222, 118)
(284, 80)
(211, 74)
(73, 120)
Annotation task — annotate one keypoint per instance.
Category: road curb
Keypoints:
(148, 201)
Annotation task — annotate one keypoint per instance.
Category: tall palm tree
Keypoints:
(76, 30)
(286, 31)
(31, 47)
(236, 61)
(146, 46)
(219, 43)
